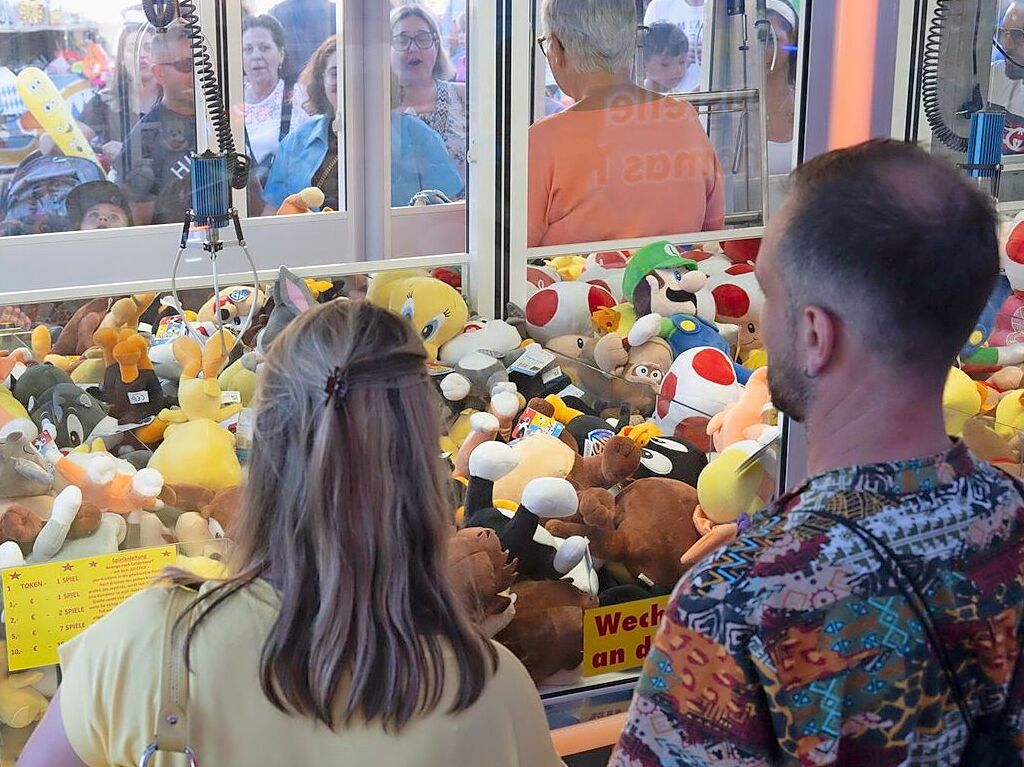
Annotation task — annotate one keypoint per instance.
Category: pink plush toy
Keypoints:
(744, 419)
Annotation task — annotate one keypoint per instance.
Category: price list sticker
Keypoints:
(46, 605)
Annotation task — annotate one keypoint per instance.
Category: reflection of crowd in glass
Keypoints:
(141, 122)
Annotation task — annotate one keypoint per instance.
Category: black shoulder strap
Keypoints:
(286, 110)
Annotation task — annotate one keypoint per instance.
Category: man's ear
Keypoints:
(818, 332)
(158, 73)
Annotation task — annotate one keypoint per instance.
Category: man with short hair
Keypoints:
(795, 644)
(155, 165)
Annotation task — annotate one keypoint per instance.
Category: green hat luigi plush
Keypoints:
(659, 279)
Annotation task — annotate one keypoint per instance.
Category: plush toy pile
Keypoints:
(606, 446)
(120, 432)
(984, 394)
(595, 437)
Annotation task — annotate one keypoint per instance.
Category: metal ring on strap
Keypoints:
(151, 751)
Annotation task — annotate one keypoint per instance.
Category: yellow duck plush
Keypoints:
(435, 308)
(196, 449)
(962, 399)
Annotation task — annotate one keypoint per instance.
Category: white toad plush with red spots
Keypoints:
(564, 309)
(738, 301)
(606, 270)
(1009, 327)
(699, 385)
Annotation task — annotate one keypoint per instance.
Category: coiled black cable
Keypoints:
(930, 80)
(211, 95)
(161, 14)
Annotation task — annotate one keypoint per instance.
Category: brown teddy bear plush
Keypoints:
(222, 505)
(547, 632)
(645, 529)
(481, 576)
(76, 336)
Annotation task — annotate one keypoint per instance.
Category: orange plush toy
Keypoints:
(126, 312)
(744, 419)
(130, 385)
(111, 484)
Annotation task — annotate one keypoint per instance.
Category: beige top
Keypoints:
(110, 693)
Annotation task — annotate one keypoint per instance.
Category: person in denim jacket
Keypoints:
(308, 156)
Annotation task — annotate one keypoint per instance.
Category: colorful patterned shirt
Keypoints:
(791, 646)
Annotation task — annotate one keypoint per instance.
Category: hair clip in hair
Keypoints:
(337, 387)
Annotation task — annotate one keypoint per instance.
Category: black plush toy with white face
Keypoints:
(671, 458)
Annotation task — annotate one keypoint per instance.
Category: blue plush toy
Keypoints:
(684, 332)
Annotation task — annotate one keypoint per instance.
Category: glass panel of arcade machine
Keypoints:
(428, 57)
(733, 68)
(90, 96)
(975, 61)
(293, 68)
(703, 438)
(55, 394)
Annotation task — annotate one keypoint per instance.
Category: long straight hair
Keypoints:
(347, 514)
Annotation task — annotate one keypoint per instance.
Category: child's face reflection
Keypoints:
(104, 216)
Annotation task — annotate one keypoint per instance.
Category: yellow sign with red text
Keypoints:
(46, 605)
(618, 638)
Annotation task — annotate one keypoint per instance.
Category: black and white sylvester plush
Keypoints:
(539, 555)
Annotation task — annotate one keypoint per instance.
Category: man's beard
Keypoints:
(789, 387)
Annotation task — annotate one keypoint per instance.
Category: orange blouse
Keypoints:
(623, 171)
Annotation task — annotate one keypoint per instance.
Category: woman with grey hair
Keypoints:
(622, 162)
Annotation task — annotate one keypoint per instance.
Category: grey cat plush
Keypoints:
(477, 375)
(36, 381)
(23, 471)
(291, 298)
(72, 417)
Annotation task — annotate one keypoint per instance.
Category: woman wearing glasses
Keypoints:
(424, 70)
(308, 156)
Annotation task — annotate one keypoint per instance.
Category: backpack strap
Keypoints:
(172, 721)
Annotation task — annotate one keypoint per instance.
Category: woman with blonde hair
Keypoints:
(424, 72)
(338, 640)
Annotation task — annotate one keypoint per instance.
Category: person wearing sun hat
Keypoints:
(98, 205)
(658, 279)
